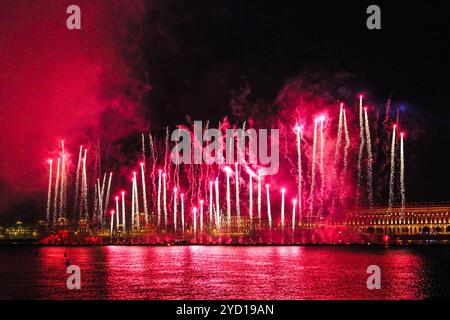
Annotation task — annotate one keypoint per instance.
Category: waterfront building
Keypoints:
(410, 220)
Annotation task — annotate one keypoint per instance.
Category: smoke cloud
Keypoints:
(57, 84)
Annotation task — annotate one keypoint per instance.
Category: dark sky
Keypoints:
(166, 59)
(212, 46)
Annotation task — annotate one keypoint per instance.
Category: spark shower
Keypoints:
(326, 171)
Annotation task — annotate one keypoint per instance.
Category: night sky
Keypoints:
(144, 65)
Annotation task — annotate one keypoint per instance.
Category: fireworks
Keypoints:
(210, 204)
(294, 203)
(117, 212)
(49, 192)
(134, 205)
(283, 191)
(216, 186)
(339, 135)
(124, 228)
(228, 172)
(143, 149)
(136, 198)
(63, 183)
(84, 190)
(154, 161)
(313, 171)
(56, 208)
(238, 208)
(96, 202)
(402, 173)
(108, 192)
(159, 197)
(321, 166)
(77, 180)
(250, 195)
(313, 148)
(392, 175)
(346, 149)
(182, 212)
(175, 190)
(259, 195)
(194, 210)
(269, 213)
(112, 223)
(165, 200)
(361, 149)
(201, 216)
(102, 198)
(337, 154)
(369, 159)
(298, 133)
(144, 191)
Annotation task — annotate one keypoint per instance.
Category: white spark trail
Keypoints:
(361, 149)
(112, 224)
(201, 216)
(250, 197)
(61, 188)
(165, 199)
(117, 213)
(294, 202)
(195, 221)
(124, 227)
(259, 196)
(337, 177)
(84, 203)
(102, 200)
(299, 171)
(269, 213)
(313, 172)
(182, 213)
(136, 197)
(144, 191)
(228, 198)
(49, 193)
(143, 148)
(392, 174)
(346, 149)
(210, 204)
(77, 181)
(159, 198)
(216, 185)
(238, 207)
(108, 192)
(55, 204)
(402, 175)
(321, 167)
(175, 190)
(63, 185)
(283, 191)
(133, 205)
(369, 160)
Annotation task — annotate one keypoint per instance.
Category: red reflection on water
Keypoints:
(220, 272)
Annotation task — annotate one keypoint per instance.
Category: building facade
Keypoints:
(410, 220)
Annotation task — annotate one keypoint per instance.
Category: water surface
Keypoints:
(224, 272)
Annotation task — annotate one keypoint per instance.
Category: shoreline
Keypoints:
(385, 245)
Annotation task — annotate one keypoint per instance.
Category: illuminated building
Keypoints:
(20, 232)
(411, 220)
(239, 226)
